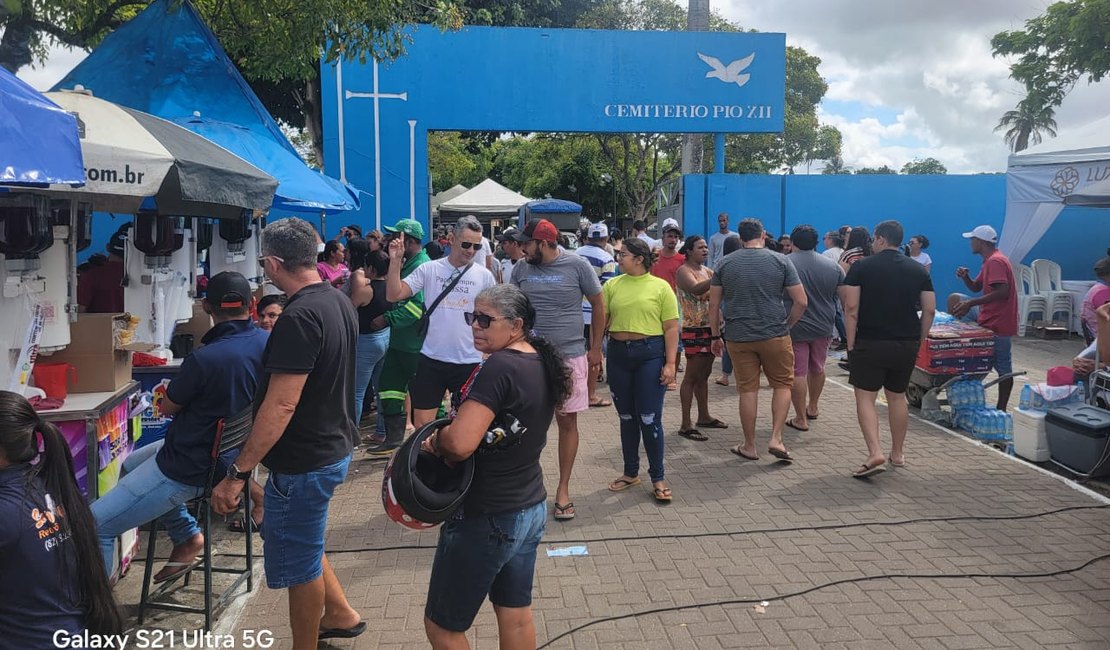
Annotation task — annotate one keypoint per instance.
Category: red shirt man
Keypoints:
(669, 259)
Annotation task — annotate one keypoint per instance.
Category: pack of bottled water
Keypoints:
(966, 394)
(992, 425)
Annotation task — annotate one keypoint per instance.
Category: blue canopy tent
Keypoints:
(299, 187)
(566, 215)
(39, 142)
(166, 62)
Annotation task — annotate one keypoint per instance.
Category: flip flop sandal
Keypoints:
(340, 633)
(781, 454)
(795, 427)
(622, 484)
(811, 417)
(564, 511)
(894, 464)
(866, 470)
(739, 452)
(713, 424)
(182, 569)
(719, 382)
(693, 434)
(601, 402)
(662, 494)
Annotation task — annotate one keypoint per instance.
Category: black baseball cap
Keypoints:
(228, 290)
(508, 234)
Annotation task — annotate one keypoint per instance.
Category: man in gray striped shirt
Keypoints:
(751, 282)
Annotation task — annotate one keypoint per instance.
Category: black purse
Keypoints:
(425, 319)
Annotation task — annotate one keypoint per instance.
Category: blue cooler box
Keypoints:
(1079, 438)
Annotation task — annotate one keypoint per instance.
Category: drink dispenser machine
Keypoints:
(37, 271)
(237, 248)
(160, 276)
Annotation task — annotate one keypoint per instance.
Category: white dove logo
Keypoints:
(730, 73)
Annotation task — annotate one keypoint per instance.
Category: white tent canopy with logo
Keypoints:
(1041, 178)
(486, 199)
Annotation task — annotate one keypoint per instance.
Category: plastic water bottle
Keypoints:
(957, 395)
(1009, 419)
(976, 423)
(1026, 397)
(1081, 393)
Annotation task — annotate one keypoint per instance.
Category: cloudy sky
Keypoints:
(906, 79)
(914, 79)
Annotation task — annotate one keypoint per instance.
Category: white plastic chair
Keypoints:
(1049, 284)
(1029, 301)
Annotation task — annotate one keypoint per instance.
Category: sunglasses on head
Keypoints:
(465, 245)
(483, 320)
(262, 259)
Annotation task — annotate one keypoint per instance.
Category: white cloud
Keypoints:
(927, 63)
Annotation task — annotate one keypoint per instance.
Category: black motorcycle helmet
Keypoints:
(421, 490)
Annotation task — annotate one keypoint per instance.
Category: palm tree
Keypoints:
(1025, 124)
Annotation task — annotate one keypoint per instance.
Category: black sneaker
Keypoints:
(382, 450)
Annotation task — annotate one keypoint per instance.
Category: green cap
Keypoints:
(410, 227)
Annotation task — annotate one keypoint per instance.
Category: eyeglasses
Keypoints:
(262, 259)
(465, 245)
(483, 320)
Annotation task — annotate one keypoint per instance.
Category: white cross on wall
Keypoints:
(377, 96)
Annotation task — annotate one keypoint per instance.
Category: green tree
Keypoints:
(885, 169)
(1069, 41)
(835, 165)
(275, 43)
(924, 166)
(1056, 49)
(1024, 125)
(452, 161)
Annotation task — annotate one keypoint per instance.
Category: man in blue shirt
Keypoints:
(216, 381)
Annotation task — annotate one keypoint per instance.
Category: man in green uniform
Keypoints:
(405, 342)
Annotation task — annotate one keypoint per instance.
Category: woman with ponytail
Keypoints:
(641, 314)
(489, 547)
(51, 575)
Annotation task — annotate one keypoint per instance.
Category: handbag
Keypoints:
(422, 324)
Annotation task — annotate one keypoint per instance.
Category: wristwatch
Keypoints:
(235, 474)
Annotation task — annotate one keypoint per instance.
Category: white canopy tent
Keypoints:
(1041, 178)
(486, 199)
(446, 195)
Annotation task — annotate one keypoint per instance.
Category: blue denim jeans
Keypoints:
(634, 368)
(492, 555)
(369, 357)
(143, 494)
(296, 520)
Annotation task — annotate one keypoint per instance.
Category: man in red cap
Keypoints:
(556, 282)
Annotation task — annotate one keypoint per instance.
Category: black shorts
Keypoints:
(434, 378)
(882, 364)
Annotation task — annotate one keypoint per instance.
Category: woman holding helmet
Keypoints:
(489, 546)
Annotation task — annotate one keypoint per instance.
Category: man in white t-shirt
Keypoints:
(513, 252)
(638, 228)
(833, 249)
(717, 241)
(448, 356)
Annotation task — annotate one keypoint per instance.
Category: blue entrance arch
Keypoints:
(377, 115)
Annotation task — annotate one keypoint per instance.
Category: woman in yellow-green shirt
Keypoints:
(642, 318)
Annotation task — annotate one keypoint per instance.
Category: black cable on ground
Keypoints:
(731, 533)
(756, 531)
(794, 594)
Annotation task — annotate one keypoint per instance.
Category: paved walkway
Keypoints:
(713, 554)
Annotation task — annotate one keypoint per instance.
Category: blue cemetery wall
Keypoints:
(1078, 238)
(939, 207)
(377, 116)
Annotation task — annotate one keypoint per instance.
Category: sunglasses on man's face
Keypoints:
(483, 320)
(465, 245)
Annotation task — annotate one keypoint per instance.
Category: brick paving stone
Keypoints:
(716, 493)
